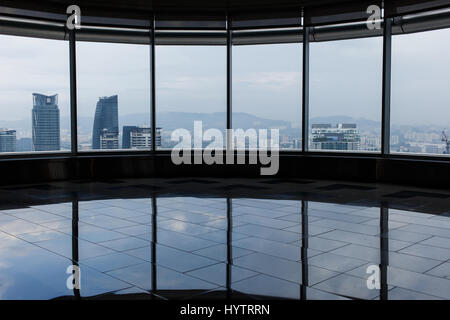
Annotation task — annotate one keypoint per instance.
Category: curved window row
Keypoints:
(115, 93)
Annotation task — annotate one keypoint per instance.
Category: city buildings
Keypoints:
(343, 136)
(24, 145)
(7, 140)
(134, 137)
(106, 117)
(45, 123)
(109, 139)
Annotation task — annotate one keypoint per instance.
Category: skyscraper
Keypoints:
(134, 137)
(7, 140)
(24, 145)
(343, 136)
(109, 139)
(45, 126)
(106, 117)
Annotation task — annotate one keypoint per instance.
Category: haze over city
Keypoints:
(345, 82)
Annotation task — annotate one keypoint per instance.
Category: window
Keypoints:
(420, 99)
(345, 95)
(267, 90)
(190, 86)
(113, 82)
(34, 95)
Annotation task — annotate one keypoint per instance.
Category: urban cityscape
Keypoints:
(105, 133)
(46, 134)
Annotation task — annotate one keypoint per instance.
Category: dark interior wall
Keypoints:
(433, 174)
(418, 172)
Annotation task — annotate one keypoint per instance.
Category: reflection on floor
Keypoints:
(214, 239)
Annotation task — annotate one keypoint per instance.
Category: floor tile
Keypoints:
(184, 227)
(348, 286)
(273, 248)
(265, 222)
(442, 270)
(404, 294)
(107, 222)
(418, 282)
(217, 274)
(346, 226)
(437, 242)
(63, 246)
(425, 251)
(172, 258)
(335, 262)
(125, 243)
(182, 241)
(111, 262)
(268, 287)
(219, 252)
(268, 233)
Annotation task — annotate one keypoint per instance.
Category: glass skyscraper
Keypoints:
(106, 118)
(45, 126)
(7, 140)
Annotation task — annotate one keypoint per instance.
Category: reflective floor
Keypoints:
(215, 239)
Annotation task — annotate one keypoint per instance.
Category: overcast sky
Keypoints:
(345, 78)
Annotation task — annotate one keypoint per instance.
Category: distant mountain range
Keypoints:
(173, 120)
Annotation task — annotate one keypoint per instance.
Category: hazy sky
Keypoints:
(29, 65)
(345, 78)
(421, 78)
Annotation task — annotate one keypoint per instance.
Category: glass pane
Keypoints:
(34, 95)
(267, 90)
(420, 121)
(345, 95)
(113, 82)
(190, 86)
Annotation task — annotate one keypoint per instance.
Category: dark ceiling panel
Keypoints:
(146, 6)
(143, 9)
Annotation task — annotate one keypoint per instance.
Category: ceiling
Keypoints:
(99, 6)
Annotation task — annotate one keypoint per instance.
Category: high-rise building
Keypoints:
(297, 143)
(7, 140)
(24, 145)
(109, 139)
(134, 137)
(45, 126)
(106, 117)
(126, 132)
(343, 136)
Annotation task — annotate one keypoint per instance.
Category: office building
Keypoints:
(7, 140)
(24, 145)
(45, 123)
(109, 139)
(135, 137)
(343, 136)
(106, 117)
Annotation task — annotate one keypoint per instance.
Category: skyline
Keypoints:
(370, 139)
(186, 75)
(345, 83)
